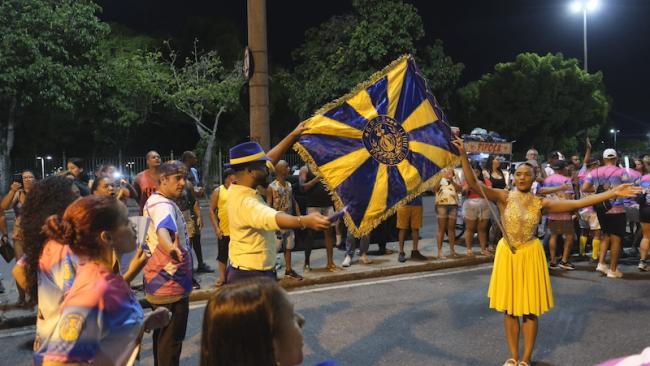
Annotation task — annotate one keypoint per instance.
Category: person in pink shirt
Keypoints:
(476, 214)
(612, 217)
(560, 224)
(146, 182)
(644, 218)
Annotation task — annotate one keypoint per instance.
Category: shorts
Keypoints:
(325, 211)
(190, 224)
(632, 213)
(644, 214)
(613, 224)
(409, 217)
(284, 240)
(446, 211)
(222, 247)
(476, 209)
(589, 220)
(561, 227)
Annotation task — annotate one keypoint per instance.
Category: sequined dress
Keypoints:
(520, 283)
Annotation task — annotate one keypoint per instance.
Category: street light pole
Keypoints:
(615, 132)
(584, 33)
(585, 6)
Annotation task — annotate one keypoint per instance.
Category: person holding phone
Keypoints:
(15, 199)
(168, 272)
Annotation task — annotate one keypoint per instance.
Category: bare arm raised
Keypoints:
(492, 194)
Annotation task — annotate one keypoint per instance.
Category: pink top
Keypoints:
(557, 180)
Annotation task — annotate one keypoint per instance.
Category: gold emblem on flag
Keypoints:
(386, 140)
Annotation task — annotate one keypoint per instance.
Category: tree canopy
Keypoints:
(347, 49)
(547, 102)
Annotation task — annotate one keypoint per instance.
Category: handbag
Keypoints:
(7, 250)
(602, 207)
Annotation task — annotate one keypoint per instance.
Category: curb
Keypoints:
(205, 294)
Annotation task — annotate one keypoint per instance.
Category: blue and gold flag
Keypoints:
(380, 146)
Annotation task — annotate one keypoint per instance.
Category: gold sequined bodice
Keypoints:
(521, 217)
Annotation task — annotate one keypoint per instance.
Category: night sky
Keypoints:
(476, 33)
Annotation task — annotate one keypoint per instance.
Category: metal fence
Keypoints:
(129, 166)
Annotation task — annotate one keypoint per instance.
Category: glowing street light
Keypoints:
(584, 6)
(614, 132)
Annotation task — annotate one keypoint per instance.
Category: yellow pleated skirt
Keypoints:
(520, 284)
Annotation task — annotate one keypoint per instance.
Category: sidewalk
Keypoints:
(386, 265)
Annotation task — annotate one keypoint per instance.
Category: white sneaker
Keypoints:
(602, 268)
(347, 261)
(643, 266)
(614, 274)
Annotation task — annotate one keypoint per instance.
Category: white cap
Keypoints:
(609, 154)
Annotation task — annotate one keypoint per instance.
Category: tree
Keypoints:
(48, 56)
(129, 79)
(543, 101)
(346, 49)
(201, 87)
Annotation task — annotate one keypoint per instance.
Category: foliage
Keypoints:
(547, 102)
(347, 49)
(49, 57)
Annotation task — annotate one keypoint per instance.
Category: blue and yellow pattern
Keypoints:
(380, 146)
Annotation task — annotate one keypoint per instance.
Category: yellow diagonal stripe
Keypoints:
(394, 89)
(421, 116)
(377, 204)
(337, 171)
(321, 125)
(363, 105)
(438, 156)
(410, 175)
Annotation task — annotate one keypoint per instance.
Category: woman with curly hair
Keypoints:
(46, 271)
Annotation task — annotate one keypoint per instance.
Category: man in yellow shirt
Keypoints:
(252, 222)
(219, 220)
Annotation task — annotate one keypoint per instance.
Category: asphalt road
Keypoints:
(442, 318)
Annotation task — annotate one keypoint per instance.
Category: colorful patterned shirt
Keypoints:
(56, 274)
(557, 180)
(282, 196)
(100, 322)
(644, 182)
(609, 176)
(165, 279)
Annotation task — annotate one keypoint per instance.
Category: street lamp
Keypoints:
(584, 6)
(614, 132)
(43, 164)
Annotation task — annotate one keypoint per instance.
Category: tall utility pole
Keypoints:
(259, 82)
(584, 35)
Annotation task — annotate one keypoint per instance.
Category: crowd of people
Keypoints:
(77, 251)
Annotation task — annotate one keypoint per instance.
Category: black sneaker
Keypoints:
(195, 284)
(2, 288)
(293, 274)
(402, 257)
(416, 255)
(566, 265)
(553, 266)
(204, 268)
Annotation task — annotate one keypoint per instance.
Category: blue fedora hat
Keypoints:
(246, 152)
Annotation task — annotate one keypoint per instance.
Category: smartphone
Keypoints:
(337, 215)
(18, 178)
(455, 131)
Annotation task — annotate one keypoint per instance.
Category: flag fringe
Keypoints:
(362, 86)
(338, 203)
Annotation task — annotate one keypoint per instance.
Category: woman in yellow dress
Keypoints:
(520, 285)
